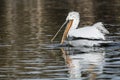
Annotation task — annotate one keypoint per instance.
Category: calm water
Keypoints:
(26, 53)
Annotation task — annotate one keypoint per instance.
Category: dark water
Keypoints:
(26, 27)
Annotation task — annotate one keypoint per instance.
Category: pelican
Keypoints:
(85, 36)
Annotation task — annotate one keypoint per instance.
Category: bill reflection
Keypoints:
(84, 63)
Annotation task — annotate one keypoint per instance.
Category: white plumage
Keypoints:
(86, 36)
(96, 31)
(90, 32)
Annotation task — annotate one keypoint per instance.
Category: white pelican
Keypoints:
(85, 36)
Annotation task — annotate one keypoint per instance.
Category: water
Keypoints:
(26, 53)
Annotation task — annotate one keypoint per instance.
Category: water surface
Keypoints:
(26, 53)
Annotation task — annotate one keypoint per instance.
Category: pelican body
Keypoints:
(85, 36)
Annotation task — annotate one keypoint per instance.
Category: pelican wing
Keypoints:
(100, 26)
(89, 32)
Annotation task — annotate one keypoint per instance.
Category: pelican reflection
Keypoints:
(84, 63)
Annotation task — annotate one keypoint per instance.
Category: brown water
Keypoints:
(26, 27)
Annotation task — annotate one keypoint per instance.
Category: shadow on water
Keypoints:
(90, 63)
(28, 25)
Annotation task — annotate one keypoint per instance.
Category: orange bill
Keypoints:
(66, 31)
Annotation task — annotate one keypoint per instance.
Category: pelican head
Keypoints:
(73, 16)
(72, 21)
